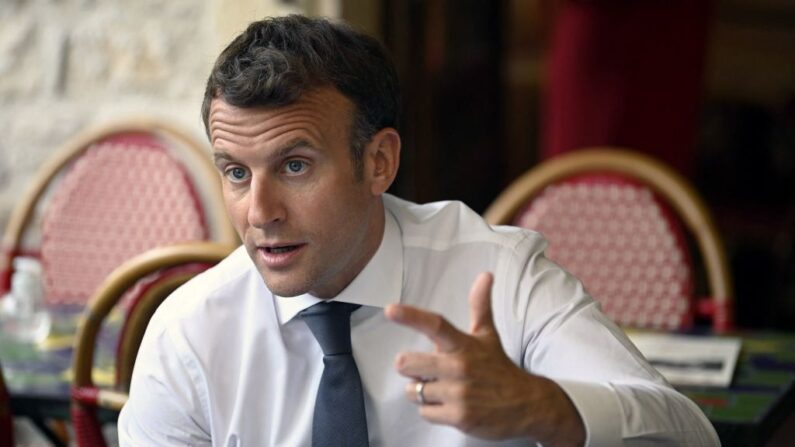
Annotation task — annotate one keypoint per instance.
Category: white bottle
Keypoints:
(24, 315)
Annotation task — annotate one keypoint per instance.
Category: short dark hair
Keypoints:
(276, 60)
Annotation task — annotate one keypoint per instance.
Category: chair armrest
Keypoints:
(111, 399)
(719, 310)
(95, 397)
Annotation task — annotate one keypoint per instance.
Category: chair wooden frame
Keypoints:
(20, 216)
(85, 396)
(669, 185)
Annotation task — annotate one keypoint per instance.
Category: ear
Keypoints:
(381, 160)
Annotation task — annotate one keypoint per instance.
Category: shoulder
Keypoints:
(446, 244)
(197, 298)
(449, 224)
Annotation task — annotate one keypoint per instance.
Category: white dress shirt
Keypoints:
(224, 362)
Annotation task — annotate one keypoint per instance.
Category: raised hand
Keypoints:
(471, 384)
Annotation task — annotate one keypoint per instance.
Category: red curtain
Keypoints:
(626, 73)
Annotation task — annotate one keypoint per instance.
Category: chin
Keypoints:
(288, 293)
(285, 288)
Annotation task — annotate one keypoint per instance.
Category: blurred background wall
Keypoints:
(475, 76)
(69, 64)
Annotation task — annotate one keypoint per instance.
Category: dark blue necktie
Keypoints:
(339, 418)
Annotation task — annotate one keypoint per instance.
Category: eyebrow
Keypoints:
(282, 152)
(219, 155)
(290, 146)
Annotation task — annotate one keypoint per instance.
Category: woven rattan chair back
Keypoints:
(620, 222)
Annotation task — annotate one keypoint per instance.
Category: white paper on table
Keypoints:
(690, 359)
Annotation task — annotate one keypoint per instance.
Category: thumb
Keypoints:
(480, 304)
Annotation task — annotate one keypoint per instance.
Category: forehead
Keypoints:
(321, 113)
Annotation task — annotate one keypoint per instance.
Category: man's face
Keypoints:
(292, 193)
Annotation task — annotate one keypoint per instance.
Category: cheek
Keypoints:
(341, 201)
(345, 217)
(328, 211)
(236, 208)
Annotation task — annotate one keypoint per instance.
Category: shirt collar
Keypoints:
(378, 284)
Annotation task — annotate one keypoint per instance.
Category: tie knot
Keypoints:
(330, 323)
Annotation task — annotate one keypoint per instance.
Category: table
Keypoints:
(762, 394)
(38, 375)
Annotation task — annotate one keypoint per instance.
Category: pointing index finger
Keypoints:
(446, 337)
(480, 304)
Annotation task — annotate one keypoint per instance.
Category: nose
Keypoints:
(266, 204)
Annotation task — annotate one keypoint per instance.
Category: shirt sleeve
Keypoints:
(564, 336)
(165, 406)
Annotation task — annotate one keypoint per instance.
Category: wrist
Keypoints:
(553, 419)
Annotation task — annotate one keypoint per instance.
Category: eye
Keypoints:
(236, 174)
(295, 166)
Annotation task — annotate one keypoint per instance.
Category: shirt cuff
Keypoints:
(599, 410)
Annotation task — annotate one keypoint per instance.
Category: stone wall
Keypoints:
(69, 64)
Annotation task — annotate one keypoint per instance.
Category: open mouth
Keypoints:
(283, 249)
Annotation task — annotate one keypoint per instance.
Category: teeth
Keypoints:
(281, 249)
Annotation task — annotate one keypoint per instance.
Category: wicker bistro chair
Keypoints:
(615, 219)
(108, 195)
(152, 276)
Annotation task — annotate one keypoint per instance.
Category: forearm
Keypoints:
(549, 416)
(620, 398)
(629, 414)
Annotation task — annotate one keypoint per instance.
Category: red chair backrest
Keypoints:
(622, 242)
(124, 195)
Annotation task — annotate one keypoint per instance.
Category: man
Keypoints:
(301, 115)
